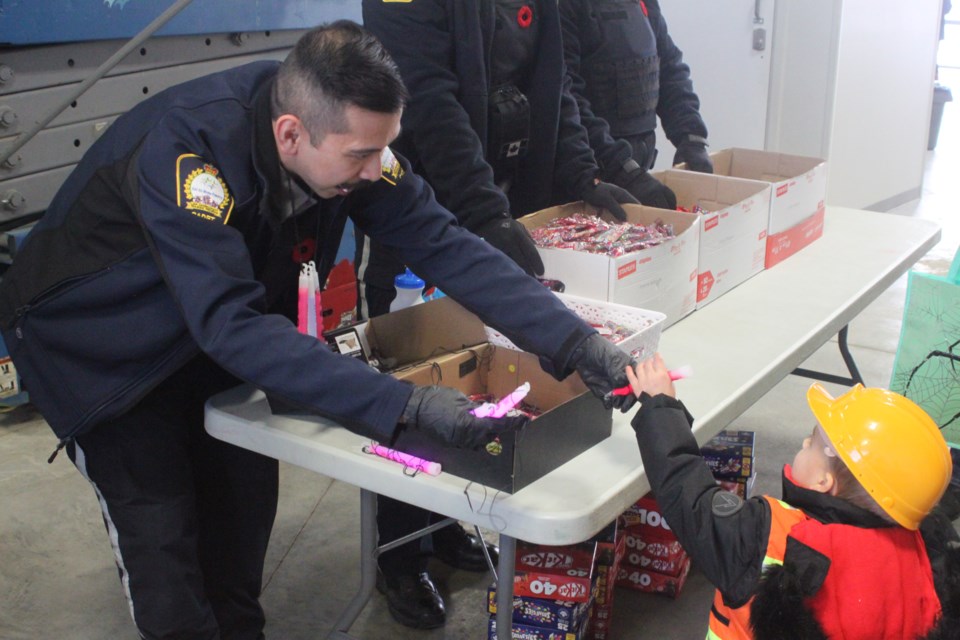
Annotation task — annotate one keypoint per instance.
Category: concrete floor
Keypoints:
(57, 574)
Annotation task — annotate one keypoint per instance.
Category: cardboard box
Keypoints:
(733, 436)
(544, 613)
(655, 555)
(554, 573)
(653, 582)
(573, 420)
(729, 454)
(610, 544)
(743, 487)
(799, 187)
(610, 553)
(531, 632)
(644, 519)
(729, 461)
(601, 619)
(662, 278)
(733, 231)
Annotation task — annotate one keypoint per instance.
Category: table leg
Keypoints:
(368, 566)
(855, 377)
(505, 571)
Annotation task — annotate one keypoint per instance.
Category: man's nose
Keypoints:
(371, 168)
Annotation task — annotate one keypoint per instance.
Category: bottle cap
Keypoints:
(408, 280)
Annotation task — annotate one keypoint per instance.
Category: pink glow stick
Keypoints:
(675, 374)
(430, 468)
(302, 295)
(501, 408)
(317, 303)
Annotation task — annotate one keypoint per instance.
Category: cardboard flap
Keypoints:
(762, 165)
(710, 191)
(424, 331)
(509, 369)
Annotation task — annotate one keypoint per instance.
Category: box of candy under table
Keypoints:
(636, 331)
(733, 227)
(440, 342)
(650, 263)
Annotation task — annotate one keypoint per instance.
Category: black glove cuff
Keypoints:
(630, 171)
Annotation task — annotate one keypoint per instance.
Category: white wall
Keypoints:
(855, 80)
(729, 75)
(881, 118)
(802, 76)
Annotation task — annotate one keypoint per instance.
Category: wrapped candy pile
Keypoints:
(614, 332)
(582, 232)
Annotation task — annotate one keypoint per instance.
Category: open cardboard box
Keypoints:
(733, 232)
(661, 278)
(799, 187)
(440, 342)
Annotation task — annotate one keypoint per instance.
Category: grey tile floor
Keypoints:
(58, 579)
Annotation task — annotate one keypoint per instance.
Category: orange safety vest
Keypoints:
(727, 623)
(890, 617)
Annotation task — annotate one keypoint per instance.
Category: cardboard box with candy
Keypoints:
(655, 269)
(798, 188)
(652, 581)
(734, 214)
(530, 632)
(441, 342)
(542, 612)
(554, 573)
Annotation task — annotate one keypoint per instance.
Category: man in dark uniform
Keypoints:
(626, 71)
(153, 281)
(494, 130)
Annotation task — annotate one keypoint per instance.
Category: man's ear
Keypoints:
(288, 132)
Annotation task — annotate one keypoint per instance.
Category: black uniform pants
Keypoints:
(188, 516)
(376, 269)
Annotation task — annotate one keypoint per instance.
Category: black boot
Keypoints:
(461, 550)
(413, 599)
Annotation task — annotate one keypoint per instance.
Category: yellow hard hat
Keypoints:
(891, 446)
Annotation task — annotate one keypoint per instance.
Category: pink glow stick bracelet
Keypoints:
(675, 374)
(430, 468)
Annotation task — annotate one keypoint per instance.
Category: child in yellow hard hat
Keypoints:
(841, 555)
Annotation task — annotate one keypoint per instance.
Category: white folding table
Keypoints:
(740, 346)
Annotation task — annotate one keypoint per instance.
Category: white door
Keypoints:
(727, 44)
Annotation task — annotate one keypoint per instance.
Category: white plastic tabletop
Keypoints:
(739, 346)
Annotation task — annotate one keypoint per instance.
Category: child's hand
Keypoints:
(651, 377)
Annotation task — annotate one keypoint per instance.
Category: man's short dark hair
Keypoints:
(333, 66)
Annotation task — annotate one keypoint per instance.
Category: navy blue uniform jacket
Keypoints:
(443, 50)
(155, 247)
(678, 107)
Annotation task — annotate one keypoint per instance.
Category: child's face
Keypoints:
(812, 465)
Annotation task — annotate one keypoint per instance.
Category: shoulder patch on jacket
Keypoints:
(201, 189)
(726, 503)
(390, 168)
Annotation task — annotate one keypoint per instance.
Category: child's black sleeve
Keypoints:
(725, 535)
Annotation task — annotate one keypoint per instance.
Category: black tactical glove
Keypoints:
(607, 196)
(602, 367)
(513, 239)
(693, 151)
(443, 414)
(645, 188)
